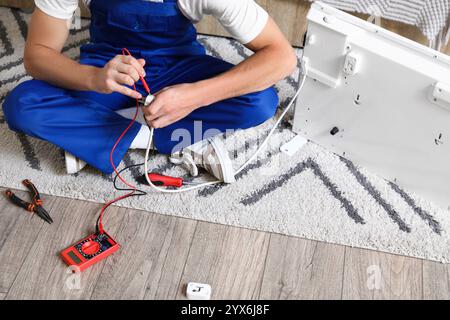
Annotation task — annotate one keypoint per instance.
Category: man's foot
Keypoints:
(73, 164)
(209, 154)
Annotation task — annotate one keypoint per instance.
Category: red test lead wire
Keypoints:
(125, 51)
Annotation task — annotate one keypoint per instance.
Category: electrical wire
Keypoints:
(275, 126)
(135, 192)
(141, 192)
(132, 188)
(147, 151)
(303, 73)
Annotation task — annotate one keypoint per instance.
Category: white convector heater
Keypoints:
(379, 100)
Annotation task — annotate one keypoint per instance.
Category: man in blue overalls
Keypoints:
(78, 106)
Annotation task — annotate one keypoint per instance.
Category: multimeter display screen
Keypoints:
(74, 257)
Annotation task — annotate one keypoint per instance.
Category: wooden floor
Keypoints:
(161, 254)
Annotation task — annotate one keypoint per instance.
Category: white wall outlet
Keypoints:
(351, 64)
(198, 291)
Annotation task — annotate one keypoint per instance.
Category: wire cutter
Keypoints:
(34, 207)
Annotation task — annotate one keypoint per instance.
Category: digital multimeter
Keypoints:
(89, 251)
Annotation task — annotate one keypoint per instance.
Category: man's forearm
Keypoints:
(256, 73)
(262, 70)
(48, 65)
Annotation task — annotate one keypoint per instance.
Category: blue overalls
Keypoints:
(85, 123)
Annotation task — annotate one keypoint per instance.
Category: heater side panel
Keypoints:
(382, 113)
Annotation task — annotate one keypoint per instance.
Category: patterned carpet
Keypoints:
(313, 194)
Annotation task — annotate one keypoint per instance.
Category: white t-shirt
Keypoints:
(243, 19)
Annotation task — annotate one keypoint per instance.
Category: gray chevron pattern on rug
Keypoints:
(314, 194)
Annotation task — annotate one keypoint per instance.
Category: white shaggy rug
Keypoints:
(314, 194)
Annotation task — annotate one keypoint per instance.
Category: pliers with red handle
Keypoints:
(35, 206)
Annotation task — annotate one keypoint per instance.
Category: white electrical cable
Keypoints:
(252, 158)
(286, 110)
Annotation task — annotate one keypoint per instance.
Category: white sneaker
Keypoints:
(73, 164)
(209, 154)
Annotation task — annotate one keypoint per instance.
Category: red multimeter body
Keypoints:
(89, 251)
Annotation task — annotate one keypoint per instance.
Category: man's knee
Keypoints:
(18, 106)
(264, 106)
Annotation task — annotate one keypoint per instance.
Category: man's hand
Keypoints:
(172, 104)
(117, 74)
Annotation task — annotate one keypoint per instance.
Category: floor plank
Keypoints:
(151, 260)
(18, 230)
(161, 254)
(436, 281)
(231, 260)
(376, 275)
(43, 274)
(302, 269)
(163, 283)
(405, 280)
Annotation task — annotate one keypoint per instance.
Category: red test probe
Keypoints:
(166, 181)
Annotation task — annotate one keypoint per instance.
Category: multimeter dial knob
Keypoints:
(90, 247)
